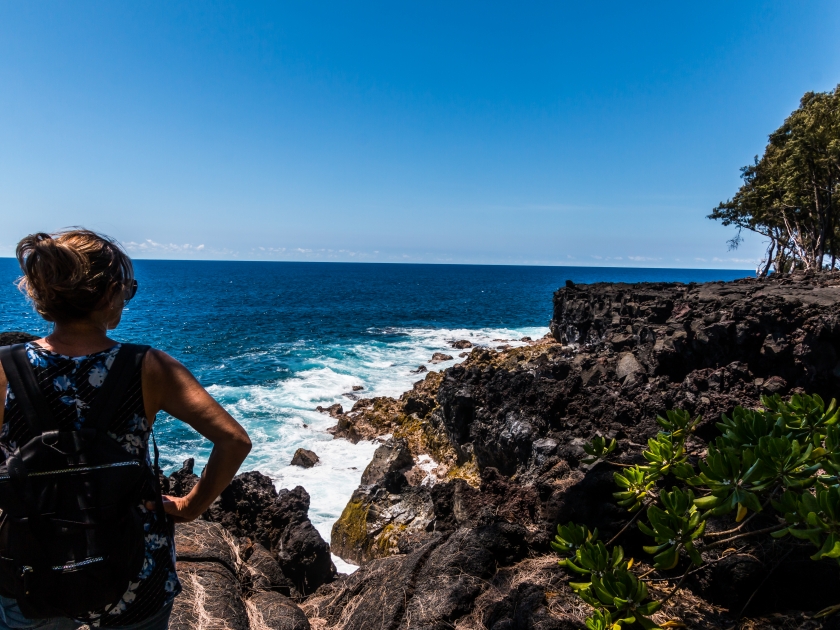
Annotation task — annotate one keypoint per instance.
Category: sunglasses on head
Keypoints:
(130, 290)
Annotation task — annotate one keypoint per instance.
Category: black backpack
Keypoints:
(71, 535)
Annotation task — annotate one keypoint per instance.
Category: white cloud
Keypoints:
(152, 246)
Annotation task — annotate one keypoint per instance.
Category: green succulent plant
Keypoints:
(747, 426)
(829, 456)
(635, 482)
(570, 538)
(664, 452)
(813, 517)
(598, 448)
(593, 558)
(599, 620)
(805, 418)
(784, 461)
(624, 596)
(728, 472)
(675, 527)
(678, 423)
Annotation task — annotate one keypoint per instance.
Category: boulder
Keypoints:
(390, 462)
(262, 572)
(273, 611)
(304, 458)
(333, 410)
(439, 357)
(420, 369)
(251, 507)
(211, 599)
(207, 567)
(358, 388)
(461, 344)
(201, 541)
(182, 481)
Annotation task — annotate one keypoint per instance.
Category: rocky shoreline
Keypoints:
(479, 463)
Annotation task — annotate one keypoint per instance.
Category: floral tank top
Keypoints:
(70, 385)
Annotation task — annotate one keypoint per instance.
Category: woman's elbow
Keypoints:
(243, 443)
(239, 443)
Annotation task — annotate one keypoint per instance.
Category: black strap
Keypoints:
(32, 403)
(111, 395)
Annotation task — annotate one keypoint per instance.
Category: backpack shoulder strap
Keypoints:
(36, 411)
(110, 397)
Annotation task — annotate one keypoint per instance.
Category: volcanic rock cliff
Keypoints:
(466, 545)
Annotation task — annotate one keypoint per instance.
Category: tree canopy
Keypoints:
(790, 194)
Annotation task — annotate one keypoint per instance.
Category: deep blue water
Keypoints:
(272, 340)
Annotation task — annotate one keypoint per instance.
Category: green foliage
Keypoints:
(675, 527)
(813, 517)
(747, 426)
(570, 538)
(599, 620)
(678, 423)
(599, 448)
(665, 453)
(790, 195)
(635, 482)
(728, 472)
(623, 596)
(593, 558)
(804, 418)
(784, 461)
(786, 455)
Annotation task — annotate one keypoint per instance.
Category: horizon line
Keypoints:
(442, 264)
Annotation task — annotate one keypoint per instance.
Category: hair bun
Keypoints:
(70, 274)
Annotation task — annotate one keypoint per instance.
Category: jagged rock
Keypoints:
(13, 337)
(211, 599)
(333, 410)
(390, 462)
(251, 507)
(273, 611)
(420, 369)
(374, 520)
(207, 568)
(461, 344)
(345, 429)
(304, 458)
(618, 356)
(182, 481)
(200, 541)
(358, 388)
(262, 572)
(427, 588)
(440, 357)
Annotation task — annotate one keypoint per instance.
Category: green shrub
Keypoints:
(786, 455)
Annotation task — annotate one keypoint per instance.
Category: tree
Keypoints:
(790, 196)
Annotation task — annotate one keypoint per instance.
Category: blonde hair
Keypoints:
(69, 274)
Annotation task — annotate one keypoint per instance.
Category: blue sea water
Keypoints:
(272, 340)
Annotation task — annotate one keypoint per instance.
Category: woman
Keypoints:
(81, 281)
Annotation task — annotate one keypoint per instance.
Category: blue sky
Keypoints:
(524, 133)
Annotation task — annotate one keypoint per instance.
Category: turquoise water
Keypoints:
(271, 341)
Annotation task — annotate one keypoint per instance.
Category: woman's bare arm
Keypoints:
(169, 386)
(3, 385)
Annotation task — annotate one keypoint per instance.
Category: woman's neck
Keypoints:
(78, 338)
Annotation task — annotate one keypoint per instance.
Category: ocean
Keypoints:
(273, 340)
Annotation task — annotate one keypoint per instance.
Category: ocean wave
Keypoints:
(280, 416)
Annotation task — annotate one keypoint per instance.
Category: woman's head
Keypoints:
(70, 275)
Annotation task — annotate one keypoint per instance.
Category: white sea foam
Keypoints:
(281, 418)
